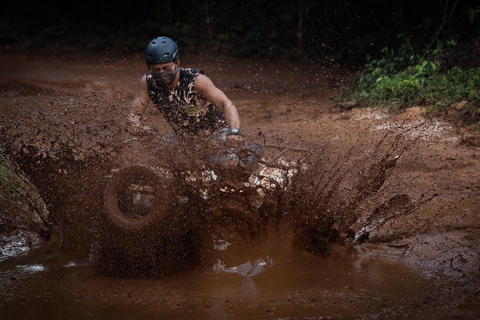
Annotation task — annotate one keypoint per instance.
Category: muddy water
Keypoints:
(294, 286)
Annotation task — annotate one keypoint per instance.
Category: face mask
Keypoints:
(166, 77)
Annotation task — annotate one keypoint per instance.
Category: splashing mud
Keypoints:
(345, 214)
(182, 202)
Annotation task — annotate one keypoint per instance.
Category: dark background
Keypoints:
(347, 30)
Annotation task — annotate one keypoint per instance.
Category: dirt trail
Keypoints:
(66, 118)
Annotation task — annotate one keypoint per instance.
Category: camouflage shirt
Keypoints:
(183, 109)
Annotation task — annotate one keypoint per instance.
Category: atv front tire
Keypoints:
(137, 196)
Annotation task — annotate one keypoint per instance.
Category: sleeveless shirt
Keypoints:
(183, 109)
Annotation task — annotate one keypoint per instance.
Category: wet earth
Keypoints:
(382, 223)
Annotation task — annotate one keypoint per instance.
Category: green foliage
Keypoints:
(473, 15)
(345, 30)
(8, 180)
(401, 79)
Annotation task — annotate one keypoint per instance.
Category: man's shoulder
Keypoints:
(191, 71)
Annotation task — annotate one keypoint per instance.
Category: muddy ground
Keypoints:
(64, 119)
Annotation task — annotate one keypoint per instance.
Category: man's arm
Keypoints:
(205, 88)
(139, 105)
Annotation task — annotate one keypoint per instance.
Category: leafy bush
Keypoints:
(8, 182)
(400, 79)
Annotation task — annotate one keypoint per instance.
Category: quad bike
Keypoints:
(164, 197)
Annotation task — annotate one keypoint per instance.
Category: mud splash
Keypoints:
(324, 201)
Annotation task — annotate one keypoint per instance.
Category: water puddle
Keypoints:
(17, 243)
(298, 285)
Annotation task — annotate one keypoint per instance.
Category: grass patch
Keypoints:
(9, 181)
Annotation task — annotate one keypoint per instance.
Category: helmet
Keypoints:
(161, 50)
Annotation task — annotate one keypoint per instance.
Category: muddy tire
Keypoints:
(136, 197)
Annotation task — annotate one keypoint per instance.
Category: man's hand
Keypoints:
(234, 137)
(234, 141)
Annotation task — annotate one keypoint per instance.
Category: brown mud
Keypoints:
(384, 223)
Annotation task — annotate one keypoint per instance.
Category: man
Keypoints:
(186, 98)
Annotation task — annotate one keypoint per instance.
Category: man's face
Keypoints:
(164, 72)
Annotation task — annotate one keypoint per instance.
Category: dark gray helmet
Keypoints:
(161, 50)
